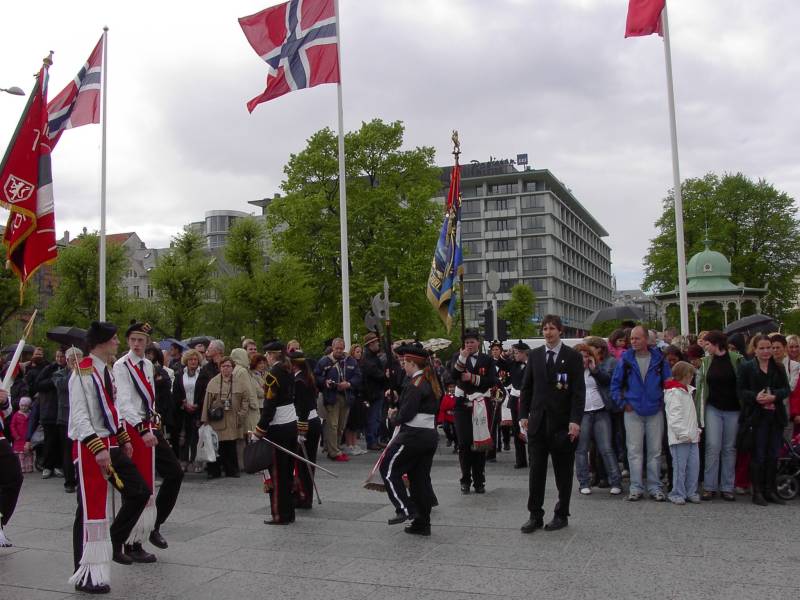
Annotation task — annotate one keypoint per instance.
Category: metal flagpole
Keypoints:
(104, 78)
(342, 195)
(676, 180)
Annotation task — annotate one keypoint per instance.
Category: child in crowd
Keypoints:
(19, 432)
(683, 433)
(446, 417)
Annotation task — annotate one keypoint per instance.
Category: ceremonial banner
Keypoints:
(78, 103)
(26, 188)
(298, 42)
(447, 259)
(644, 17)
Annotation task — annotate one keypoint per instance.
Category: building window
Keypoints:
(502, 188)
(150, 293)
(537, 285)
(473, 288)
(469, 192)
(472, 310)
(532, 223)
(534, 186)
(470, 227)
(500, 225)
(473, 267)
(533, 264)
(533, 243)
(471, 207)
(136, 291)
(497, 204)
(506, 285)
(502, 266)
(471, 248)
(531, 201)
(500, 245)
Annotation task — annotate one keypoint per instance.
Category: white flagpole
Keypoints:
(342, 195)
(104, 79)
(676, 180)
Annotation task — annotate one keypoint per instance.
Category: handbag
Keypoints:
(258, 456)
(216, 414)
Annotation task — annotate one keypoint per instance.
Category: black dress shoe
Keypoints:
(531, 525)
(556, 524)
(274, 522)
(120, 557)
(92, 588)
(417, 528)
(479, 489)
(139, 554)
(70, 489)
(158, 540)
(399, 518)
(465, 488)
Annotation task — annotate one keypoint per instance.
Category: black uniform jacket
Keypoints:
(417, 398)
(279, 386)
(481, 366)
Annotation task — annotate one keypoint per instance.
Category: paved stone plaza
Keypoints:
(220, 549)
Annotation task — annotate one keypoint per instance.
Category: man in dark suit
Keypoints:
(551, 407)
(474, 375)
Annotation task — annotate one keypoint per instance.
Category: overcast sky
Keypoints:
(553, 78)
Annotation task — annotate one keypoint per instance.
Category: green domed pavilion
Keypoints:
(708, 276)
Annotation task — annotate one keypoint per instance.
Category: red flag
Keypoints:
(27, 188)
(78, 103)
(644, 17)
(298, 41)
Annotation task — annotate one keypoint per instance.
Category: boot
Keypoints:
(770, 486)
(757, 484)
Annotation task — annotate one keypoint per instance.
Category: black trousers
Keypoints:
(188, 451)
(556, 445)
(305, 487)
(134, 492)
(415, 462)
(10, 481)
(473, 464)
(520, 449)
(226, 458)
(70, 476)
(52, 456)
(169, 469)
(282, 471)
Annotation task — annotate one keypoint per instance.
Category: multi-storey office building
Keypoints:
(529, 228)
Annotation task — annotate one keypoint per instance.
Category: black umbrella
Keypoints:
(166, 344)
(27, 348)
(753, 324)
(68, 336)
(198, 339)
(615, 313)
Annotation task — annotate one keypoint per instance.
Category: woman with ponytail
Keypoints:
(412, 449)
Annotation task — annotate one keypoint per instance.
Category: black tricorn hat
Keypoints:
(139, 327)
(471, 333)
(497, 343)
(412, 349)
(297, 356)
(520, 345)
(274, 346)
(99, 332)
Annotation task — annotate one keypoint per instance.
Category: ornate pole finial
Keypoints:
(456, 144)
(48, 60)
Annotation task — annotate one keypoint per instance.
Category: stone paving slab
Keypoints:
(220, 548)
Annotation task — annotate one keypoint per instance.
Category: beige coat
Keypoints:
(232, 425)
(241, 371)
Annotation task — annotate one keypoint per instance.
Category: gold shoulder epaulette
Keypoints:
(85, 366)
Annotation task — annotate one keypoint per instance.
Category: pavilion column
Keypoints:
(696, 308)
(738, 309)
(758, 305)
(725, 312)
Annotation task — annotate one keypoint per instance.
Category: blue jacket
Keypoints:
(627, 387)
(326, 370)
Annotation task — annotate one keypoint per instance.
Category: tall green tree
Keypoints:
(9, 293)
(263, 299)
(392, 224)
(518, 311)
(753, 224)
(182, 280)
(76, 300)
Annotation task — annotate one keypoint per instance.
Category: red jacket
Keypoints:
(794, 402)
(19, 430)
(446, 408)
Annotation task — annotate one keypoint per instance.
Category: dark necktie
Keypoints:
(551, 363)
(107, 381)
(141, 366)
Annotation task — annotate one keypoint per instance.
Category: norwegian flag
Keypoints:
(644, 17)
(26, 189)
(78, 103)
(298, 42)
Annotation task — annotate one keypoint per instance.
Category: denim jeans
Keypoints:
(637, 428)
(374, 414)
(720, 434)
(685, 470)
(596, 424)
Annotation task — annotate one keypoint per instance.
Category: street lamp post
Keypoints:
(13, 90)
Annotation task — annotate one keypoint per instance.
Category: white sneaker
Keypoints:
(615, 491)
(349, 450)
(47, 473)
(4, 542)
(586, 491)
(58, 472)
(358, 451)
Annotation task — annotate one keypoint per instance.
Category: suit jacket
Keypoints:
(540, 394)
(484, 371)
